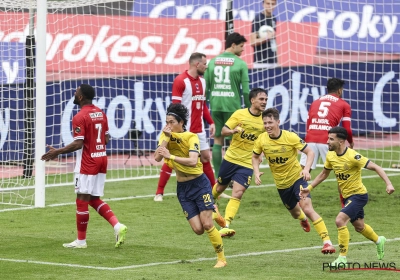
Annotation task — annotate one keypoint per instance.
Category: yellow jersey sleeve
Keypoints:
(257, 149)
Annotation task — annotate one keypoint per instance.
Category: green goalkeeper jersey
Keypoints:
(227, 76)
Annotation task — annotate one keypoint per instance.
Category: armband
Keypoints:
(172, 157)
(310, 188)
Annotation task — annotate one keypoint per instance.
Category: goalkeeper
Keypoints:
(280, 149)
(227, 83)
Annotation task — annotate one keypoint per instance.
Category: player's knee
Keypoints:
(199, 230)
(207, 225)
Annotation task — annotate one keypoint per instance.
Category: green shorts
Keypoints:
(220, 118)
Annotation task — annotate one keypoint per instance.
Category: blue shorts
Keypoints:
(354, 206)
(291, 196)
(195, 196)
(231, 171)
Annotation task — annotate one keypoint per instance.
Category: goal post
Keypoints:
(41, 102)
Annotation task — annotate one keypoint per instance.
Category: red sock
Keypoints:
(104, 210)
(82, 218)
(165, 174)
(207, 169)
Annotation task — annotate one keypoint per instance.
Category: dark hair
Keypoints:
(234, 38)
(271, 113)
(255, 91)
(340, 132)
(179, 112)
(196, 56)
(334, 84)
(87, 91)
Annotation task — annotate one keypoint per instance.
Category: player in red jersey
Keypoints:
(325, 113)
(189, 89)
(90, 131)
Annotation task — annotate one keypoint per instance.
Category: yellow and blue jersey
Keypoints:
(281, 153)
(347, 168)
(241, 147)
(180, 145)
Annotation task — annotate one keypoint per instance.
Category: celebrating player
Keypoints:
(280, 149)
(180, 151)
(188, 88)
(245, 125)
(347, 164)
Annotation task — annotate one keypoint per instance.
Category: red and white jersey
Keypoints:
(191, 92)
(91, 125)
(325, 113)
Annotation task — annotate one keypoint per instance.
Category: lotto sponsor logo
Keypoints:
(278, 160)
(224, 61)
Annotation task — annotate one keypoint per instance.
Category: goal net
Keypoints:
(130, 51)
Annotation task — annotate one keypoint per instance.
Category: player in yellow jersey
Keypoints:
(245, 125)
(280, 148)
(180, 149)
(347, 164)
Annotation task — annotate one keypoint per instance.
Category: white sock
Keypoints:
(117, 226)
(81, 242)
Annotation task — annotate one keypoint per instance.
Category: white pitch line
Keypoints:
(169, 194)
(180, 261)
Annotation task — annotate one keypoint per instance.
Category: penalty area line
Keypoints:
(177, 261)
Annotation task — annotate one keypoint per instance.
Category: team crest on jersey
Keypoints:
(196, 146)
(77, 129)
(346, 166)
(283, 149)
(357, 157)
